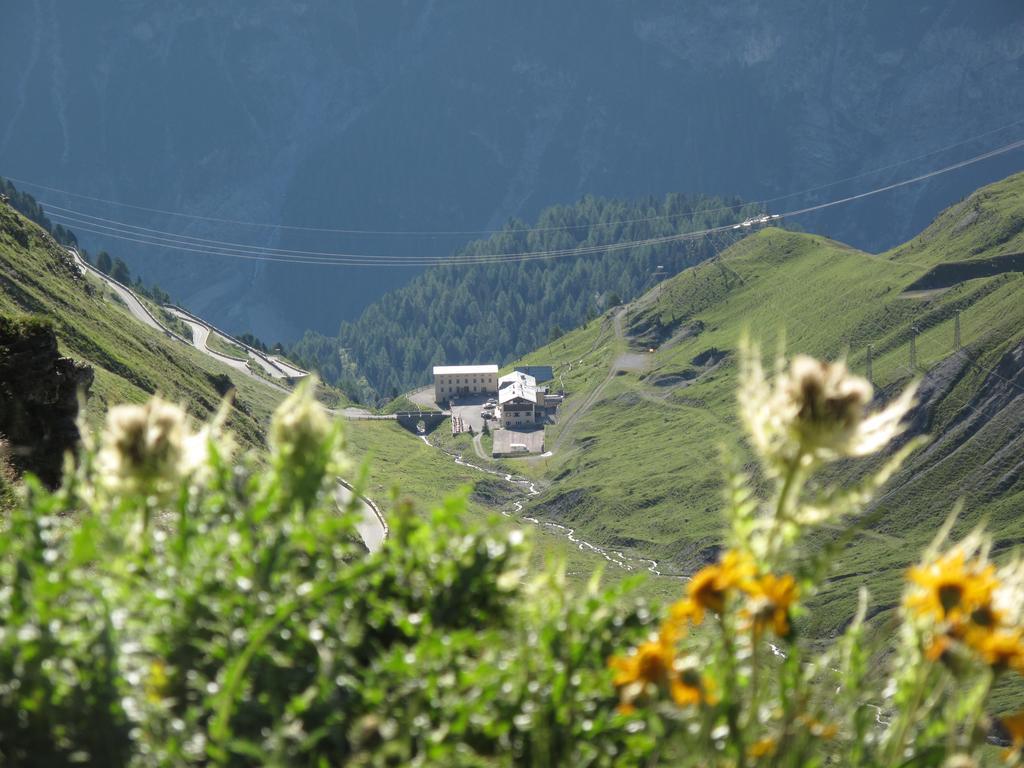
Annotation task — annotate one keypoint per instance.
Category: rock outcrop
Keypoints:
(38, 397)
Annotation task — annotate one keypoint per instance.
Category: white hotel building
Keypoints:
(457, 380)
(521, 400)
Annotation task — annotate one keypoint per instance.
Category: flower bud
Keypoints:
(305, 444)
(147, 448)
(828, 403)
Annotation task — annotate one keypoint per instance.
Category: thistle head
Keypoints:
(827, 403)
(813, 411)
(305, 443)
(149, 448)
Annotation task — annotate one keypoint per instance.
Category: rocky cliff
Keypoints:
(423, 115)
(39, 392)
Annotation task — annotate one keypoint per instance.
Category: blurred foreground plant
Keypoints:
(764, 696)
(173, 605)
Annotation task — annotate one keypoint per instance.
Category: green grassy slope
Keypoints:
(989, 222)
(131, 361)
(403, 467)
(640, 464)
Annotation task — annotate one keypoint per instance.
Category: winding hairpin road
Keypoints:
(372, 527)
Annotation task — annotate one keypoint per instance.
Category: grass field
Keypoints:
(218, 343)
(168, 319)
(401, 403)
(401, 466)
(639, 471)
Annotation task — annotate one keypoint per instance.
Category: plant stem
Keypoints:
(976, 712)
(732, 702)
(908, 715)
(755, 675)
(790, 483)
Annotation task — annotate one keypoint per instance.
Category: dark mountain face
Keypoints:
(458, 115)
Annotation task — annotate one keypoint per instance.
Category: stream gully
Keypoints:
(528, 489)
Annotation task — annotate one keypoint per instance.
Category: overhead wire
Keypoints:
(566, 227)
(922, 177)
(161, 237)
(214, 247)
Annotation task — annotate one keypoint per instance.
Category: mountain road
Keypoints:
(372, 527)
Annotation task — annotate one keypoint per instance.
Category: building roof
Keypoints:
(539, 372)
(516, 377)
(470, 369)
(518, 390)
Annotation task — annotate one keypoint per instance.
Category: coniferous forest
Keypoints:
(488, 312)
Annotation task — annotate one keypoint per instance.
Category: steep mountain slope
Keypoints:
(636, 457)
(131, 361)
(460, 115)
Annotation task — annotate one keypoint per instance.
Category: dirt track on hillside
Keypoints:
(570, 422)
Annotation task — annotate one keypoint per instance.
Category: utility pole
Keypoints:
(913, 348)
(956, 331)
(871, 349)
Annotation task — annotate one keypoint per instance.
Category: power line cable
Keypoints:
(366, 260)
(422, 233)
(114, 226)
(209, 246)
(922, 177)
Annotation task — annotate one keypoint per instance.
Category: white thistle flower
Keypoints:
(299, 424)
(813, 411)
(1008, 599)
(149, 448)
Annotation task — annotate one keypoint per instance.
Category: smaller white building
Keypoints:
(516, 377)
(521, 401)
(457, 380)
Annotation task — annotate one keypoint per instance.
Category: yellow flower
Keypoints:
(651, 662)
(684, 612)
(952, 588)
(688, 688)
(771, 597)
(710, 586)
(938, 648)
(1014, 727)
(1001, 649)
(653, 665)
(762, 748)
(824, 731)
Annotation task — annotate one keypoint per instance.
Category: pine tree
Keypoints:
(120, 271)
(104, 262)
